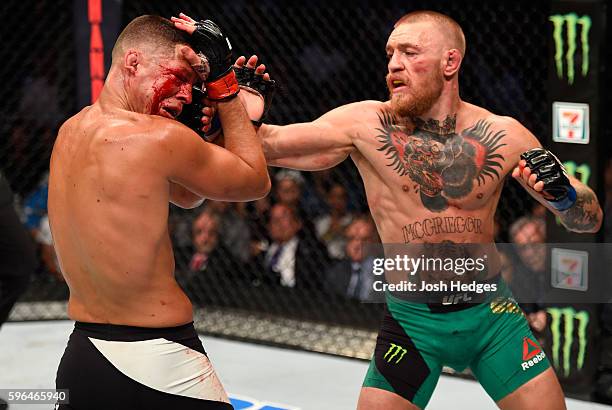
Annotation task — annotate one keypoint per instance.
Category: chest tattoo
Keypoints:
(445, 164)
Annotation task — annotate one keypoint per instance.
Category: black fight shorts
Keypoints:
(126, 367)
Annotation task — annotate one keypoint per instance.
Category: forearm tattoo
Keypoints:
(584, 215)
(444, 164)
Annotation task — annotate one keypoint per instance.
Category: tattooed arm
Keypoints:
(586, 214)
(315, 145)
(579, 214)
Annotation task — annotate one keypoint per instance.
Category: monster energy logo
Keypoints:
(393, 352)
(571, 20)
(568, 316)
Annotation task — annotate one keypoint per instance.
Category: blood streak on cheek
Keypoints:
(161, 89)
(165, 86)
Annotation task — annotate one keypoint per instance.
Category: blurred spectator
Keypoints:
(14, 153)
(180, 228)
(288, 188)
(567, 332)
(330, 227)
(210, 275)
(293, 259)
(608, 202)
(233, 229)
(25, 156)
(352, 277)
(37, 222)
(257, 215)
(527, 268)
(17, 253)
(35, 206)
(530, 230)
(315, 190)
(211, 255)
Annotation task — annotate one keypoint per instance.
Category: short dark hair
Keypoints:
(151, 30)
(450, 27)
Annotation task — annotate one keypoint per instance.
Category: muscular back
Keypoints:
(108, 208)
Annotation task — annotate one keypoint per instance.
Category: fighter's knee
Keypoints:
(543, 392)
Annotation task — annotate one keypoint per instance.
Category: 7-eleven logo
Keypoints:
(571, 122)
(571, 118)
(532, 353)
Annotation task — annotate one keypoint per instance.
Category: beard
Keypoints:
(417, 101)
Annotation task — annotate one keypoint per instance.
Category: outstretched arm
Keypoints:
(311, 146)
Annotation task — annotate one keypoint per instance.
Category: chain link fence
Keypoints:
(38, 92)
(323, 54)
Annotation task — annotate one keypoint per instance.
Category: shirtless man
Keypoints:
(115, 167)
(433, 168)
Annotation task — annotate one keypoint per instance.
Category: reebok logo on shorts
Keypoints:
(533, 357)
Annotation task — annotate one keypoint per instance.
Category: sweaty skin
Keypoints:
(114, 170)
(432, 165)
(421, 185)
(425, 176)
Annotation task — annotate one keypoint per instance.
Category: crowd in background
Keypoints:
(306, 239)
(304, 242)
(303, 237)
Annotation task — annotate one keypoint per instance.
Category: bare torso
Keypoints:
(108, 209)
(429, 185)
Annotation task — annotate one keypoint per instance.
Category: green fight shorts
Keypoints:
(492, 338)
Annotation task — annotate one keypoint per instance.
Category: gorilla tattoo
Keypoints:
(444, 164)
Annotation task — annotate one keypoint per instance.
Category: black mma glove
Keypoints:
(215, 51)
(191, 116)
(255, 83)
(192, 113)
(559, 193)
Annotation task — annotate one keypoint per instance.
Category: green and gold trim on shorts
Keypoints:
(492, 338)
